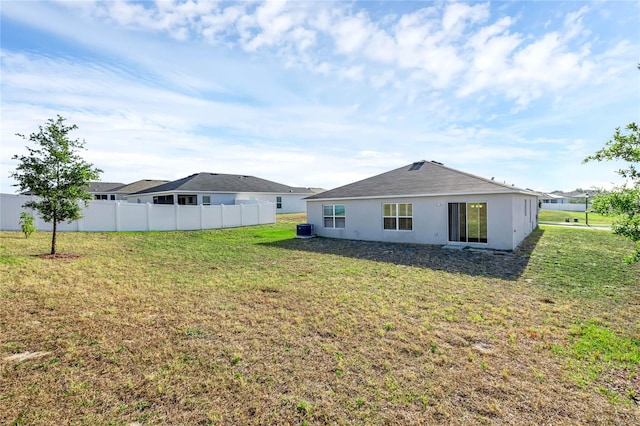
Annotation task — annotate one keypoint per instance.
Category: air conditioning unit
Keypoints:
(304, 230)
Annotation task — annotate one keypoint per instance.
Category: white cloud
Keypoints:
(354, 73)
(195, 86)
(456, 14)
(351, 33)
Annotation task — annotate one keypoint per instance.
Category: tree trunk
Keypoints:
(53, 238)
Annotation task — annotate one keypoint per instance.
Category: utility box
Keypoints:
(304, 230)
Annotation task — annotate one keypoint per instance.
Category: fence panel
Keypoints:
(131, 217)
(250, 213)
(106, 216)
(188, 218)
(567, 207)
(212, 218)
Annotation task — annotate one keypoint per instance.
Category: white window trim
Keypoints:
(397, 217)
(475, 243)
(333, 216)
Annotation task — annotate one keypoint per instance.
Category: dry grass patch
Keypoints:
(251, 326)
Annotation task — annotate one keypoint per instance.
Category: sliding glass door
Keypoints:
(468, 222)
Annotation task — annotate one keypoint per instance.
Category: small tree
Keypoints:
(625, 200)
(55, 174)
(27, 224)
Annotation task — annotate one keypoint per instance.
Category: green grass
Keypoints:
(253, 326)
(559, 216)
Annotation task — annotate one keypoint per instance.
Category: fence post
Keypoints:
(221, 215)
(148, 216)
(241, 214)
(117, 207)
(259, 213)
(201, 216)
(177, 217)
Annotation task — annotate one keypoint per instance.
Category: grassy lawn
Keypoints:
(559, 216)
(251, 326)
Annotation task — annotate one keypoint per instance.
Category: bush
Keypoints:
(27, 224)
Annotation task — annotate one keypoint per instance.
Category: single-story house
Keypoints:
(426, 203)
(220, 188)
(118, 191)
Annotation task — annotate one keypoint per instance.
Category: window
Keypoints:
(334, 216)
(206, 200)
(468, 222)
(397, 216)
(278, 202)
(112, 197)
(163, 199)
(101, 197)
(187, 200)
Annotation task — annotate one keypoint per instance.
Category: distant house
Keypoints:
(104, 190)
(426, 203)
(219, 188)
(118, 191)
(552, 198)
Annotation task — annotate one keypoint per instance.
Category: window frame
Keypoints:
(278, 202)
(163, 199)
(396, 217)
(334, 218)
(480, 206)
(187, 199)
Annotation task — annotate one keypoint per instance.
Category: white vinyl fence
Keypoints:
(106, 216)
(567, 207)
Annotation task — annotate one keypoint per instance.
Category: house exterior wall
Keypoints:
(525, 217)
(364, 220)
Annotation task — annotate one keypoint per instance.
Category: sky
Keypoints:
(324, 93)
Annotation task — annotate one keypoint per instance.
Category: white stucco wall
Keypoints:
(525, 217)
(364, 220)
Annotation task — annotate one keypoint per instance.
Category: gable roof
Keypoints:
(419, 178)
(219, 182)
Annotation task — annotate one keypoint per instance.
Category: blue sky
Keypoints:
(325, 93)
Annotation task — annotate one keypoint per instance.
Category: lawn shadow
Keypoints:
(507, 265)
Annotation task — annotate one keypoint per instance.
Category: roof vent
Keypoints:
(437, 162)
(416, 166)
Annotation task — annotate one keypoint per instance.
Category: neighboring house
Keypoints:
(426, 203)
(104, 190)
(118, 191)
(553, 198)
(219, 188)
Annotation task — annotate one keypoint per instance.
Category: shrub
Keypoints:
(27, 224)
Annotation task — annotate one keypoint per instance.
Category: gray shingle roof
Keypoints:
(140, 185)
(420, 178)
(219, 182)
(104, 186)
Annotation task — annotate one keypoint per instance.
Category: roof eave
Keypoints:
(440, 194)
